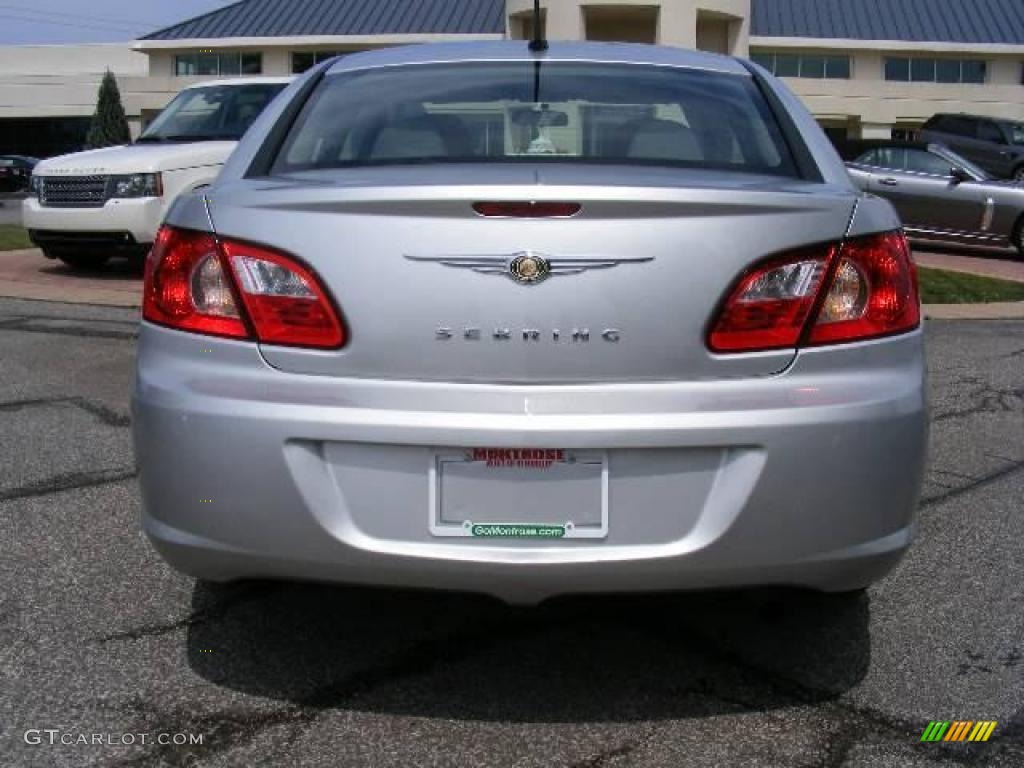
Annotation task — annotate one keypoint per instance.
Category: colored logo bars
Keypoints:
(960, 730)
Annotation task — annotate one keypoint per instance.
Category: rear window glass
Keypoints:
(537, 112)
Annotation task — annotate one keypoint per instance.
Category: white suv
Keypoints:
(86, 207)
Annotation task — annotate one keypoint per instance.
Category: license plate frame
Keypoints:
(484, 528)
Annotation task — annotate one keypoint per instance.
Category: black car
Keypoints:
(996, 145)
(15, 172)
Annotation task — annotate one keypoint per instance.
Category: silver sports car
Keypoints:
(940, 195)
(481, 317)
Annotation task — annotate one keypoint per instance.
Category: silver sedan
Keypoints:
(940, 195)
(592, 319)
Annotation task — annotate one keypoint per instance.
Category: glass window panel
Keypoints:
(947, 71)
(920, 161)
(185, 65)
(990, 132)
(922, 70)
(868, 158)
(837, 67)
(252, 63)
(766, 60)
(975, 71)
(207, 64)
(787, 65)
(897, 70)
(230, 64)
(812, 66)
(302, 60)
(892, 158)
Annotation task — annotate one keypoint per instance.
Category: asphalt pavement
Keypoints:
(99, 639)
(10, 209)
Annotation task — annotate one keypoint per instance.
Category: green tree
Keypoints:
(109, 126)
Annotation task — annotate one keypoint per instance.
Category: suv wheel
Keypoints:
(79, 261)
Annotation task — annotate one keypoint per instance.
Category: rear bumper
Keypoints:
(130, 223)
(809, 478)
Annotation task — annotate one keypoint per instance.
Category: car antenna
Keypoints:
(538, 43)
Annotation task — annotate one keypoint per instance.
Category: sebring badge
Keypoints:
(529, 267)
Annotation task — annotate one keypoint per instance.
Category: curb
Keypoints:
(1000, 310)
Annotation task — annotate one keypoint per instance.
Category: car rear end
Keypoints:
(607, 319)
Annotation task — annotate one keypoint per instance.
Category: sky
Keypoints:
(24, 22)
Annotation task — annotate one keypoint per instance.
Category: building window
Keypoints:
(227, 63)
(919, 70)
(303, 60)
(808, 65)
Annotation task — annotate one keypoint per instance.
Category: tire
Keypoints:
(79, 261)
(1017, 237)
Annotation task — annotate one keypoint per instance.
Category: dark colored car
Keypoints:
(995, 145)
(939, 194)
(15, 172)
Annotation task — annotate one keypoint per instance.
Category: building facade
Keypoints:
(865, 68)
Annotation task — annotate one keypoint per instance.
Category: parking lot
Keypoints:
(98, 636)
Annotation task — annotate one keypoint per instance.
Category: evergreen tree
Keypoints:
(109, 126)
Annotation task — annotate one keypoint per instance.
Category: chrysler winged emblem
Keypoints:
(529, 267)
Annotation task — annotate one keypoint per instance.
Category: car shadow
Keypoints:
(605, 659)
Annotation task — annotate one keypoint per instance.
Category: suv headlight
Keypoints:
(136, 185)
(35, 186)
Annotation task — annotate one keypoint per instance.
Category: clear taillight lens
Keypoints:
(863, 288)
(195, 282)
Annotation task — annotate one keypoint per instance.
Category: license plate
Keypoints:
(519, 493)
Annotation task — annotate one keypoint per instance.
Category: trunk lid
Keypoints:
(661, 248)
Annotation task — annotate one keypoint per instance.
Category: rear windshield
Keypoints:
(537, 112)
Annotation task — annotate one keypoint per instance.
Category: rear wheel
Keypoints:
(1017, 238)
(79, 261)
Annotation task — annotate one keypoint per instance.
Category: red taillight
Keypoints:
(860, 289)
(528, 210)
(194, 282)
(874, 292)
(187, 286)
(285, 301)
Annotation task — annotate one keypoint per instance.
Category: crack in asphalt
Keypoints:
(604, 757)
(20, 318)
(240, 594)
(79, 333)
(986, 400)
(858, 724)
(68, 481)
(975, 484)
(415, 660)
(106, 415)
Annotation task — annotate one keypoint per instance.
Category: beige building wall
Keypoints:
(723, 24)
(872, 107)
(63, 80)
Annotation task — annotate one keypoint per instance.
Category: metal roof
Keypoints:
(952, 21)
(281, 18)
(933, 21)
